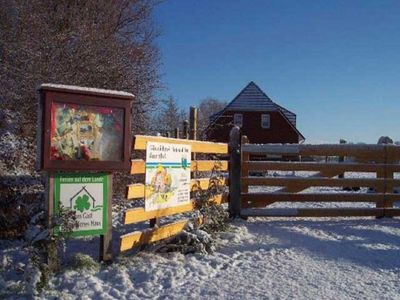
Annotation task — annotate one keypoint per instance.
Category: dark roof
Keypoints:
(252, 98)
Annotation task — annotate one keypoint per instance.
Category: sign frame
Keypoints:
(50, 94)
(106, 203)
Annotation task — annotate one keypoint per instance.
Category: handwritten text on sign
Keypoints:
(167, 175)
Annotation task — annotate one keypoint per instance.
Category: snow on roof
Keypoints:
(88, 90)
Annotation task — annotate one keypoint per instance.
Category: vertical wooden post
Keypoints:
(154, 222)
(382, 175)
(106, 239)
(168, 134)
(176, 133)
(52, 260)
(193, 123)
(49, 200)
(341, 158)
(244, 167)
(193, 131)
(234, 172)
(186, 129)
(389, 159)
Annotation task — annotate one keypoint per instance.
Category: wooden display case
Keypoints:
(83, 129)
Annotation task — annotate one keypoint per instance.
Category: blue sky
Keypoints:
(336, 64)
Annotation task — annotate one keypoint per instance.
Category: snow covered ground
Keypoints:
(263, 258)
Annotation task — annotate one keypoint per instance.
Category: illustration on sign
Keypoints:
(86, 194)
(167, 175)
(82, 132)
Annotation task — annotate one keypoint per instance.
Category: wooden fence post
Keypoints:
(389, 188)
(244, 167)
(385, 175)
(193, 131)
(176, 133)
(186, 129)
(193, 123)
(234, 172)
(106, 239)
(341, 158)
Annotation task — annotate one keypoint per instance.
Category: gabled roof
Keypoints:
(252, 98)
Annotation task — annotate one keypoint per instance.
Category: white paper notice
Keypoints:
(167, 175)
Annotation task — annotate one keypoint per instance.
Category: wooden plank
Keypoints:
(140, 143)
(137, 190)
(208, 165)
(138, 166)
(137, 238)
(393, 152)
(136, 215)
(368, 151)
(314, 166)
(290, 149)
(300, 187)
(331, 182)
(205, 183)
(314, 212)
(267, 198)
(391, 212)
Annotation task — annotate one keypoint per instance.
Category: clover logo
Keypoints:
(82, 203)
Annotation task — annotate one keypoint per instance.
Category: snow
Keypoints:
(261, 258)
(84, 89)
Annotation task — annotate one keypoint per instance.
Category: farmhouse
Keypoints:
(261, 119)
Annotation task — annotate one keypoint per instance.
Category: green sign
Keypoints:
(86, 194)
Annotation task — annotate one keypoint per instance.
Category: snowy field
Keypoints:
(263, 258)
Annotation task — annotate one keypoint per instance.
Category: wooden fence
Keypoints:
(136, 191)
(380, 159)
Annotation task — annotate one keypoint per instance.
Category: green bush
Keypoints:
(82, 261)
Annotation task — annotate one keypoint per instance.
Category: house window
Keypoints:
(265, 121)
(238, 120)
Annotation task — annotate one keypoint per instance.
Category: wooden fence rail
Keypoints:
(136, 191)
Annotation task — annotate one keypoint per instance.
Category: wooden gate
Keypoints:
(383, 160)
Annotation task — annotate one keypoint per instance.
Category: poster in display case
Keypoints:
(84, 128)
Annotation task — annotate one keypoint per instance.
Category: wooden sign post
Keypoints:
(106, 238)
(86, 133)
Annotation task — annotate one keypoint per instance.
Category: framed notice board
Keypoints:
(84, 129)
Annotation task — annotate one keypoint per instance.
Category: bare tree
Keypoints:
(169, 116)
(207, 108)
(96, 43)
